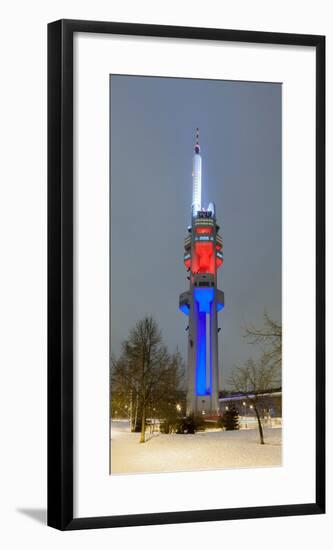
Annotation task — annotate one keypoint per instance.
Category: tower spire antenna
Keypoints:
(197, 144)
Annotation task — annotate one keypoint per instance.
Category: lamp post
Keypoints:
(244, 406)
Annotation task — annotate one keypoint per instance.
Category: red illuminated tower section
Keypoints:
(203, 256)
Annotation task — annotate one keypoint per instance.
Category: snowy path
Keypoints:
(204, 450)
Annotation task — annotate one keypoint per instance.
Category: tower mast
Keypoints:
(203, 255)
(196, 176)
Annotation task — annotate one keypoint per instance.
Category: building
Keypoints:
(203, 255)
(269, 405)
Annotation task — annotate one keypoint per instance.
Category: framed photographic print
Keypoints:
(186, 274)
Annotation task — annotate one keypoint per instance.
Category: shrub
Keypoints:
(229, 420)
(190, 424)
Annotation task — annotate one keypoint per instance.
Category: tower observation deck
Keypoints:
(203, 255)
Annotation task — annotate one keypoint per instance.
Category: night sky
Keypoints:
(153, 123)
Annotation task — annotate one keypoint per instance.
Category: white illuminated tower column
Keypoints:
(196, 175)
(203, 256)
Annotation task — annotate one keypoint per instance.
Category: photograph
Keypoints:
(195, 274)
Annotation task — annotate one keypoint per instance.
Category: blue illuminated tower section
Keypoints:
(203, 255)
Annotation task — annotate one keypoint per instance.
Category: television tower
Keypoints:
(203, 256)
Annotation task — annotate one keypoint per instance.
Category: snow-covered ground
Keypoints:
(208, 450)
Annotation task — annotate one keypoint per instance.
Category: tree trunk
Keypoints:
(131, 411)
(259, 426)
(135, 415)
(143, 424)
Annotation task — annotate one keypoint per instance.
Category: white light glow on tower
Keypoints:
(196, 175)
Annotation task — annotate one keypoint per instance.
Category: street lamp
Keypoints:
(244, 405)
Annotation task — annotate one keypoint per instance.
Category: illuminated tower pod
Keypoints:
(203, 256)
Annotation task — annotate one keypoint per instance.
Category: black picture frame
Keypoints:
(60, 273)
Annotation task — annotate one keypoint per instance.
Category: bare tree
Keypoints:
(120, 402)
(169, 392)
(145, 369)
(269, 337)
(254, 379)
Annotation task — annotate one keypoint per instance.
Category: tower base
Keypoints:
(205, 405)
